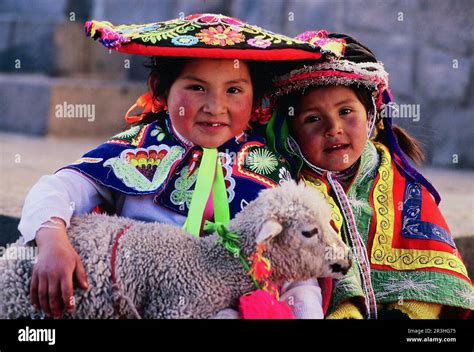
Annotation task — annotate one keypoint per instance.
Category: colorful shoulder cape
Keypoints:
(411, 251)
(151, 159)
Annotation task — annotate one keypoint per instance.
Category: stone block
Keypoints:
(388, 16)
(304, 15)
(452, 137)
(188, 7)
(79, 56)
(49, 8)
(445, 24)
(269, 14)
(442, 76)
(25, 102)
(29, 44)
(72, 54)
(86, 107)
(138, 11)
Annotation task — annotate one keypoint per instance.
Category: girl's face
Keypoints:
(211, 101)
(331, 127)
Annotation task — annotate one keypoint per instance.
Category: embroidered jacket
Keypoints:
(411, 251)
(152, 159)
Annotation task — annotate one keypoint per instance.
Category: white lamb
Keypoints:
(163, 272)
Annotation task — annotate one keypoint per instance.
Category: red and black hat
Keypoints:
(203, 36)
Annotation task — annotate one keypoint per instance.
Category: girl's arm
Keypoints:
(304, 298)
(46, 215)
(62, 195)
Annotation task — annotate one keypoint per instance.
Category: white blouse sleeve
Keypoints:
(62, 195)
(304, 298)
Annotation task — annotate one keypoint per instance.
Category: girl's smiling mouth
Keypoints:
(211, 125)
(338, 147)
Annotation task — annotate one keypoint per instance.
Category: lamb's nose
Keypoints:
(337, 268)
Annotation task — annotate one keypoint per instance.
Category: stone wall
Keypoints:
(426, 45)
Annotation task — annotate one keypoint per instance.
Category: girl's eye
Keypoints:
(196, 88)
(312, 118)
(233, 90)
(345, 111)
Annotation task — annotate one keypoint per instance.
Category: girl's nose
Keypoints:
(215, 104)
(333, 128)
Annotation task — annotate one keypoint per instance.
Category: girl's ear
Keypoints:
(162, 99)
(153, 81)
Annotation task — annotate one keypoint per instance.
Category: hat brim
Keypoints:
(203, 36)
(217, 53)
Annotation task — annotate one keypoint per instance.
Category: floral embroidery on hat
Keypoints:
(185, 40)
(220, 36)
(259, 43)
(332, 46)
(212, 19)
(201, 32)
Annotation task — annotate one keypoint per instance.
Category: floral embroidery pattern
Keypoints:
(413, 227)
(220, 36)
(87, 160)
(226, 162)
(185, 40)
(195, 30)
(284, 175)
(261, 161)
(133, 136)
(211, 19)
(182, 194)
(259, 43)
(127, 135)
(158, 133)
(333, 46)
(145, 169)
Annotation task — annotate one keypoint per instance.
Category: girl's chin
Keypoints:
(335, 166)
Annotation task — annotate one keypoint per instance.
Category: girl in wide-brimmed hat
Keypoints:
(190, 155)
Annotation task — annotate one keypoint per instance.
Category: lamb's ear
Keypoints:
(270, 229)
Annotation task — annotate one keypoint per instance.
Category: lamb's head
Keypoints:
(294, 222)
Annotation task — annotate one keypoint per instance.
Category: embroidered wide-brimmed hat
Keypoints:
(201, 35)
(351, 63)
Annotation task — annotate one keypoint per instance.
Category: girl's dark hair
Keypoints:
(408, 144)
(165, 70)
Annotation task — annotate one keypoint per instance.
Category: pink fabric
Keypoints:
(208, 211)
(326, 290)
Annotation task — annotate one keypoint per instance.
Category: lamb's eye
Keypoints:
(309, 234)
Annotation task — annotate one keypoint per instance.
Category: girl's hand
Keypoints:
(51, 284)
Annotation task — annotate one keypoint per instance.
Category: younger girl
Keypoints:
(405, 260)
(190, 156)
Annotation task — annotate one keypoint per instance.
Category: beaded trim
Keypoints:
(335, 72)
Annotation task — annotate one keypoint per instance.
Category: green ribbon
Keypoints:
(210, 176)
(230, 241)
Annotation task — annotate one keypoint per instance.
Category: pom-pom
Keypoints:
(260, 304)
